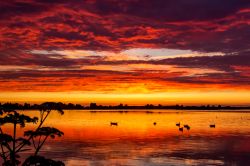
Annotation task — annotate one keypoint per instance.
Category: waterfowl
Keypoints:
(113, 124)
(181, 129)
(187, 127)
(212, 125)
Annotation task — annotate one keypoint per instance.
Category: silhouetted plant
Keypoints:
(41, 161)
(11, 146)
(43, 133)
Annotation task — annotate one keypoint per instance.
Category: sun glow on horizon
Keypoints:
(170, 98)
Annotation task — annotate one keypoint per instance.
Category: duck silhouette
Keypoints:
(113, 124)
(187, 127)
(212, 125)
(181, 129)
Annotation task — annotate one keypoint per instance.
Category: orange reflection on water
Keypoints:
(90, 139)
(90, 125)
(139, 124)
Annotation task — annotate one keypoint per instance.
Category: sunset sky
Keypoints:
(125, 51)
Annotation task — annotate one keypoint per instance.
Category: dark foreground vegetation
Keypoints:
(13, 145)
(94, 106)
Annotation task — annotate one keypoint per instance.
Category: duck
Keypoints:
(187, 127)
(113, 124)
(212, 125)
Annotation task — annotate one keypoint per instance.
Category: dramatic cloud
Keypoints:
(124, 46)
(198, 25)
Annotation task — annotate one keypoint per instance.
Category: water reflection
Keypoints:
(91, 140)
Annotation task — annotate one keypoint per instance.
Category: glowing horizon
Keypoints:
(172, 98)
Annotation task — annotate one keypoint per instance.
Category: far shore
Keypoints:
(148, 108)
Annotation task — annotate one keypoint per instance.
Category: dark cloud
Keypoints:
(223, 63)
(27, 74)
(214, 78)
(112, 25)
(171, 10)
(24, 58)
(232, 69)
(199, 25)
(10, 9)
(53, 33)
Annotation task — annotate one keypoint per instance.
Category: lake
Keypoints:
(90, 140)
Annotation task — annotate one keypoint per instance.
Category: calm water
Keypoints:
(90, 140)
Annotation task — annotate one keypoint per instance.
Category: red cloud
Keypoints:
(118, 25)
(112, 25)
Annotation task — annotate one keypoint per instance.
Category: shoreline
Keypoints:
(148, 111)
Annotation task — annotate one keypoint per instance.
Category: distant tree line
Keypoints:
(94, 106)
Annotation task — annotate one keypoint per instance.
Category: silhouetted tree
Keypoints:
(92, 105)
(11, 146)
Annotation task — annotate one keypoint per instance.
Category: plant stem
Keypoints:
(13, 156)
(39, 146)
(7, 146)
(3, 152)
(20, 146)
